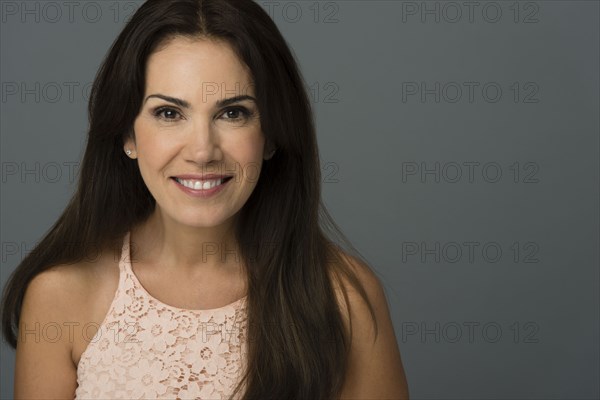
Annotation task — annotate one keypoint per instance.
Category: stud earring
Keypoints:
(128, 152)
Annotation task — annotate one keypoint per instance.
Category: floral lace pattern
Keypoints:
(145, 349)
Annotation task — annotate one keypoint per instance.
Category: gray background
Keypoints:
(469, 326)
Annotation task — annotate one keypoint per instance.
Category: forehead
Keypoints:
(184, 66)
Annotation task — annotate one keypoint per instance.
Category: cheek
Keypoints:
(251, 158)
(152, 138)
(152, 152)
(248, 148)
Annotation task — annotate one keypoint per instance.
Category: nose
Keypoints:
(202, 144)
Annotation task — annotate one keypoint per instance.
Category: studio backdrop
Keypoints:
(459, 146)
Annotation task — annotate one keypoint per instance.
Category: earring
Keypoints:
(128, 152)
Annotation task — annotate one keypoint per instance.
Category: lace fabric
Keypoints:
(145, 349)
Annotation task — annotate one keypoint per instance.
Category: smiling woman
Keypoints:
(191, 142)
(218, 275)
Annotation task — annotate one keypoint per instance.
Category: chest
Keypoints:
(120, 308)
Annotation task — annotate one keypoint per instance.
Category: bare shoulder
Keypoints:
(56, 291)
(69, 296)
(58, 304)
(64, 286)
(43, 363)
(375, 367)
(366, 277)
(60, 295)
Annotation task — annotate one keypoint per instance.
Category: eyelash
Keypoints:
(243, 110)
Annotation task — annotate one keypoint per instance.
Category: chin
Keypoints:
(201, 219)
(200, 222)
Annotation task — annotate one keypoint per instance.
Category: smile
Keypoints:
(201, 185)
(201, 188)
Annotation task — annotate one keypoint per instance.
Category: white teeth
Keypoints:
(198, 185)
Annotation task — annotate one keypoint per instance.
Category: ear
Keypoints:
(269, 150)
(129, 145)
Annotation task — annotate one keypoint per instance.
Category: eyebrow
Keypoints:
(184, 104)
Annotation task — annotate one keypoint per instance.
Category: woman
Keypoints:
(198, 213)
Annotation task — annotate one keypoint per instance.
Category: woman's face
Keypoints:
(183, 128)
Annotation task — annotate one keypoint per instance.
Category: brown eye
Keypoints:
(166, 113)
(237, 113)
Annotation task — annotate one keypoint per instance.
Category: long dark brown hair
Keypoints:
(300, 345)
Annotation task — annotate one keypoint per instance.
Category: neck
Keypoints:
(185, 249)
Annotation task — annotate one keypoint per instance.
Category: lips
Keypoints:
(201, 177)
(202, 189)
(198, 184)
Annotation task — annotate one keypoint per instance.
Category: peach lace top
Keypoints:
(147, 349)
